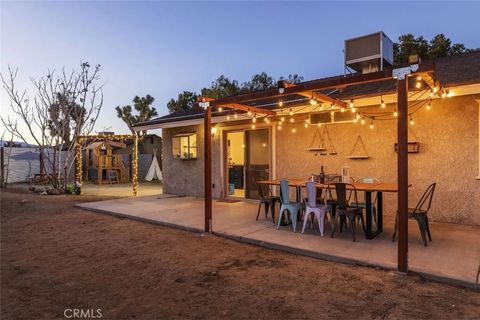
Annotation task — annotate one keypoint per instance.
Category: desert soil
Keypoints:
(56, 257)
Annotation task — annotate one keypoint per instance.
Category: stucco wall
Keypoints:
(448, 134)
(185, 177)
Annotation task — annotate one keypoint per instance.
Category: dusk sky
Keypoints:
(163, 48)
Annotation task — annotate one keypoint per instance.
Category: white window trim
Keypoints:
(478, 177)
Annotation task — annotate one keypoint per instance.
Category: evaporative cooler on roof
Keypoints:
(368, 53)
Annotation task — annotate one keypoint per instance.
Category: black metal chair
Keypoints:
(350, 212)
(419, 213)
(267, 199)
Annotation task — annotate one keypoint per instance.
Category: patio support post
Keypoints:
(402, 173)
(208, 168)
(135, 165)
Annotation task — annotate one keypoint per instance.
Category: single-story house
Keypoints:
(303, 136)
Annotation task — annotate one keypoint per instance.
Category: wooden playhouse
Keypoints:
(103, 165)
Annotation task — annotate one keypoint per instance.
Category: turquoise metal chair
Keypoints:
(363, 204)
(292, 208)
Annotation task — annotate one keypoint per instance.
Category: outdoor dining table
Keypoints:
(368, 188)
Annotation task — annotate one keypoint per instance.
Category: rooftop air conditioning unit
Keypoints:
(368, 53)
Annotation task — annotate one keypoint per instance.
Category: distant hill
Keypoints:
(16, 144)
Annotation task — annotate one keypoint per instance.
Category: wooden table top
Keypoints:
(378, 187)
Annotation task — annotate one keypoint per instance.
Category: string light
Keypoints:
(382, 103)
(291, 120)
(294, 130)
(357, 116)
(220, 109)
(254, 119)
(265, 119)
(363, 120)
(443, 94)
(411, 121)
(435, 89)
(313, 101)
(306, 125)
(235, 115)
(429, 105)
(371, 124)
(353, 109)
(319, 125)
(253, 126)
(282, 119)
(342, 109)
(351, 105)
(395, 114)
(249, 112)
(332, 112)
(268, 121)
(279, 127)
(418, 84)
(228, 117)
(280, 103)
(291, 112)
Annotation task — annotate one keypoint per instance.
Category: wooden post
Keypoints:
(2, 166)
(135, 165)
(208, 168)
(402, 173)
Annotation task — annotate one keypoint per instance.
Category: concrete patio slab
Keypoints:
(453, 256)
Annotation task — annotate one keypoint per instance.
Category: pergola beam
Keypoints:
(312, 94)
(237, 106)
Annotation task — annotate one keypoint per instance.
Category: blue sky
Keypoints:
(163, 48)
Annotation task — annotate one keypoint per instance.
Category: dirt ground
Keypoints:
(56, 257)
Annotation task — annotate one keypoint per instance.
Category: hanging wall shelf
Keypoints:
(321, 149)
(357, 156)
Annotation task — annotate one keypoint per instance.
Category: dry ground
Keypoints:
(54, 256)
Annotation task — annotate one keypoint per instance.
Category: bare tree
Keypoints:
(62, 107)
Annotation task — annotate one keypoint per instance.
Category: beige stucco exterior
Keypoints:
(449, 155)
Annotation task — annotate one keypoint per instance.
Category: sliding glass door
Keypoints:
(257, 160)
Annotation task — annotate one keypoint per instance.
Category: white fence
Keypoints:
(21, 164)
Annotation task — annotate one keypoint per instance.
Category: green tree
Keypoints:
(439, 46)
(143, 106)
(185, 100)
(220, 88)
(293, 78)
(258, 82)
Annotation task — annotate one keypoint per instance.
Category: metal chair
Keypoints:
(315, 209)
(419, 213)
(267, 199)
(286, 205)
(351, 212)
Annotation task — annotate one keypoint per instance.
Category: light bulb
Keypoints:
(435, 89)
(253, 126)
(395, 114)
(332, 112)
(419, 78)
(306, 125)
(249, 112)
(355, 120)
(294, 130)
(357, 116)
(282, 119)
(342, 109)
(220, 109)
(280, 103)
(235, 116)
(382, 104)
(444, 94)
(228, 117)
(291, 112)
(353, 109)
(319, 125)
(312, 101)
(291, 120)
(351, 105)
(371, 125)
(363, 121)
(411, 121)
(254, 119)
(279, 127)
(418, 85)
(429, 106)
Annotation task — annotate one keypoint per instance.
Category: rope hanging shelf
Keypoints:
(361, 155)
(321, 149)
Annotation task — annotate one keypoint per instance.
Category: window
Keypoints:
(185, 146)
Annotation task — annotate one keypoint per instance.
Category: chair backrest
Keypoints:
(425, 201)
(311, 194)
(284, 192)
(341, 190)
(263, 190)
(368, 180)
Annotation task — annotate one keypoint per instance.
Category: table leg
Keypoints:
(368, 209)
(379, 212)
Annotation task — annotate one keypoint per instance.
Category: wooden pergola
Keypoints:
(249, 102)
(111, 137)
